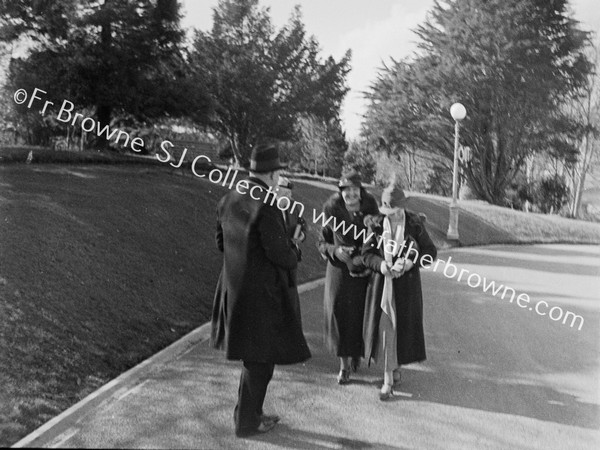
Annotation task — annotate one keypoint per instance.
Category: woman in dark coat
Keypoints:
(346, 277)
(393, 326)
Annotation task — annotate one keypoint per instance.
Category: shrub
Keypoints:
(439, 181)
(552, 194)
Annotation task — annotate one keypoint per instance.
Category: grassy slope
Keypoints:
(532, 227)
(481, 223)
(520, 227)
(19, 154)
(100, 267)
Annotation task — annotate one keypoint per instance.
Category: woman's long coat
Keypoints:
(344, 298)
(256, 314)
(408, 296)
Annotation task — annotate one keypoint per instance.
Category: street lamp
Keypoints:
(458, 113)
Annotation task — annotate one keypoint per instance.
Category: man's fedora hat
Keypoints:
(265, 158)
(350, 178)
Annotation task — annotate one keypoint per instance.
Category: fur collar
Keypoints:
(334, 206)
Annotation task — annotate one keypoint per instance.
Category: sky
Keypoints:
(375, 31)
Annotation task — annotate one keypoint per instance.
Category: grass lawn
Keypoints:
(101, 266)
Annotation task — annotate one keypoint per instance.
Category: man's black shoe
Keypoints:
(263, 427)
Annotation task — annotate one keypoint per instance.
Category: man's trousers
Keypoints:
(251, 395)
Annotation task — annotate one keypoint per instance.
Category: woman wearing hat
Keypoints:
(346, 277)
(393, 327)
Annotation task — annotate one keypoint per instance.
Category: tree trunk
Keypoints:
(528, 176)
(578, 194)
(103, 110)
(236, 152)
(411, 170)
(585, 163)
(103, 115)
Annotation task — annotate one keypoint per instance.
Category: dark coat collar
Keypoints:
(376, 220)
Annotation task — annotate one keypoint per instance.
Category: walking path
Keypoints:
(497, 375)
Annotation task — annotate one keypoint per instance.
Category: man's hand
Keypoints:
(299, 234)
(299, 239)
(297, 251)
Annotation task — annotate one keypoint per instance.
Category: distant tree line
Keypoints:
(525, 71)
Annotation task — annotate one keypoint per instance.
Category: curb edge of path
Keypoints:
(72, 415)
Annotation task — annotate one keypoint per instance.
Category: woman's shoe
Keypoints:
(386, 392)
(343, 377)
(397, 377)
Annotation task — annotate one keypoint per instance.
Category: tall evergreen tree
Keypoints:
(336, 148)
(512, 63)
(115, 55)
(585, 110)
(261, 79)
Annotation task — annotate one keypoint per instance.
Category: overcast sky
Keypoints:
(374, 30)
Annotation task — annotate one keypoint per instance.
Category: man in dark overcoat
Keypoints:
(256, 317)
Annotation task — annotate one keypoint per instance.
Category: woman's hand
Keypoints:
(343, 254)
(398, 268)
(370, 221)
(401, 266)
(385, 269)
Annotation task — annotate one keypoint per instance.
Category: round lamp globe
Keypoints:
(458, 112)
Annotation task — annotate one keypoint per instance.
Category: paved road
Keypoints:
(497, 375)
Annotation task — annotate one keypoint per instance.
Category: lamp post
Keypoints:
(458, 113)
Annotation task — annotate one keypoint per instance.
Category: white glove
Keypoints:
(385, 269)
(399, 265)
